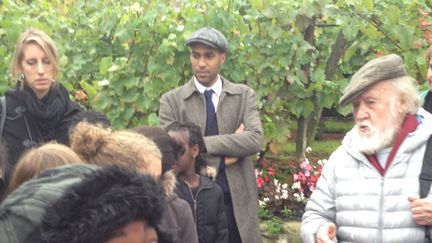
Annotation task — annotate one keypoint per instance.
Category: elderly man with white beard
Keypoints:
(368, 190)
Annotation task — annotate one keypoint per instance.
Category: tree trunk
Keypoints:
(303, 122)
(301, 141)
(331, 66)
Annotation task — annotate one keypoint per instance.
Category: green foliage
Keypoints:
(274, 226)
(337, 126)
(263, 213)
(138, 47)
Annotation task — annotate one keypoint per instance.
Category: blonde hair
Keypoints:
(36, 160)
(101, 146)
(40, 38)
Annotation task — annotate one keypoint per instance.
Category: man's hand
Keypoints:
(326, 234)
(231, 160)
(240, 129)
(421, 210)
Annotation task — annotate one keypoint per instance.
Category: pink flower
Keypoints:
(271, 171)
(303, 164)
(259, 181)
(299, 177)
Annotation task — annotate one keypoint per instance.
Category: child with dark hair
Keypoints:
(204, 196)
(177, 219)
(113, 205)
(168, 147)
(92, 117)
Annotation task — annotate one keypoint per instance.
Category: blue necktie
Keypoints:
(210, 130)
(211, 120)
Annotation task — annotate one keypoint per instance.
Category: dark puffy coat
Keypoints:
(21, 131)
(22, 211)
(208, 210)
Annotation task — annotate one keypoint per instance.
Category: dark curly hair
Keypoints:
(109, 199)
(195, 137)
(168, 146)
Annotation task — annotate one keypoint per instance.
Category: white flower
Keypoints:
(285, 195)
(322, 162)
(266, 199)
(296, 185)
(284, 186)
(277, 197)
(298, 197)
(276, 182)
(308, 150)
(261, 203)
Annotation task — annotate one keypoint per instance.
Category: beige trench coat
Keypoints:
(237, 104)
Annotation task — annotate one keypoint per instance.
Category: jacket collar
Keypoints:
(227, 88)
(412, 141)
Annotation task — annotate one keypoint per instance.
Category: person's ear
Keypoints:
(403, 104)
(195, 151)
(223, 56)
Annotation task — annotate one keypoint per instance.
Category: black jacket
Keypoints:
(427, 104)
(208, 210)
(22, 132)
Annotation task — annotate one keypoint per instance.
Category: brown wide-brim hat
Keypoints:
(379, 69)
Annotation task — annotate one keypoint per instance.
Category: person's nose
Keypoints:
(202, 62)
(361, 112)
(40, 68)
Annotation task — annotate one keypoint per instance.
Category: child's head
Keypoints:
(168, 147)
(36, 160)
(111, 205)
(190, 137)
(97, 145)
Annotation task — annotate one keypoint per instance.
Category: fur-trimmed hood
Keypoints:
(208, 171)
(105, 201)
(169, 181)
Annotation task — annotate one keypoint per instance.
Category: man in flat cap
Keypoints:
(369, 188)
(232, 130)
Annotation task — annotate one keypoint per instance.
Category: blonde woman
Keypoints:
(38, 109)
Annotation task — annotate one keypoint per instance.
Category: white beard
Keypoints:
(375, 140)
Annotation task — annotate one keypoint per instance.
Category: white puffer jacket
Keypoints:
(365, 206)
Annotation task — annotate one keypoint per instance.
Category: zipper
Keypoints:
(200, 188)
(380, 215)
(194, 202)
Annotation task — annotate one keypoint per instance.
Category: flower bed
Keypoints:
(283, 197)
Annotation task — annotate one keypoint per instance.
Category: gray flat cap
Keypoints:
(209, 36)
(378, 69)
